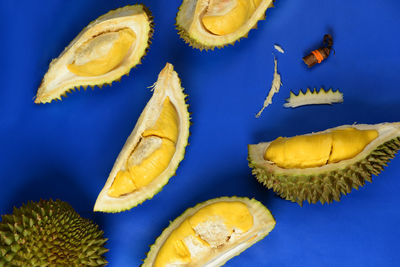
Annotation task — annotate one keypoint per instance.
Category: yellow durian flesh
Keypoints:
(103, 53)
(318, 149)
(226, 16)
(208, 229)
(349, 142)
(167, 125)
(151, 156)
(123, 184)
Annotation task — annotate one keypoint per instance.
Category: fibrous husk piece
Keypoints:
(206, 24)
(279, 49)
(275, 87)
(201, 236)
(154, 149)
(328, 182)
(50, 233)
(102, 53)
(313, 98)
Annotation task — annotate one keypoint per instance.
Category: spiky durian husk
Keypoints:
(50, 233)
(59, 95)
(329, 186)
(199, 44)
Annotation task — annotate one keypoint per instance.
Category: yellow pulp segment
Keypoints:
(103, 53)
(226, 16)
(167, 125)
(307, 151)
(174, 249)
(347, 143)
(140, 174)
(152, 166)
(122, 184)
(235, 215)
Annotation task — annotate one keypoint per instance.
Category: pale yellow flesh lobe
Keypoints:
(226, 16)
(233, 216)
(316, 150)
(139, 173)
(154, 165)
(103, 53)
(167, 125)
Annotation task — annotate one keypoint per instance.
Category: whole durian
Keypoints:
(50, 233)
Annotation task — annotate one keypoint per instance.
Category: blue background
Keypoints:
(66, 149)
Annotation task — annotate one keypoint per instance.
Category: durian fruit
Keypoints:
(321, 166)
(50, 233)
(211, 233)
(154, 149)
(206, 24)
(103, 52)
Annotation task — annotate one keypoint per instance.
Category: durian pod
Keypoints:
(327, 182)
(50, 233)
(206, 24)
(153, 150)
(102, 53)
(211, 233)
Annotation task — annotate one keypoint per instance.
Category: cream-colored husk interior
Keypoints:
(386, 131)
(168, 84)
(263, 224)
(59, 79)
(189, 19)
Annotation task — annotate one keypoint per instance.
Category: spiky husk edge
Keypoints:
(173, 224)
(185, 36)
(105, 83)
(328, 186)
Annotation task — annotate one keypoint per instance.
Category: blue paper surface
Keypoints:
(65, 150)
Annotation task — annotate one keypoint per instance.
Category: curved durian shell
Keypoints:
(329, 182)
(167, 85)
(59, 79)
(264, 223)
(192, 31)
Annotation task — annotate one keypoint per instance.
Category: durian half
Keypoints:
(154, 149)
(103, 52)
(211, 233)
(324, 165)
(206, 24)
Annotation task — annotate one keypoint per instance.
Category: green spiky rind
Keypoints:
(185, 144)
(175, 223)
(329, 186)
(197, 44)
(50, 233)
(109, 82)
